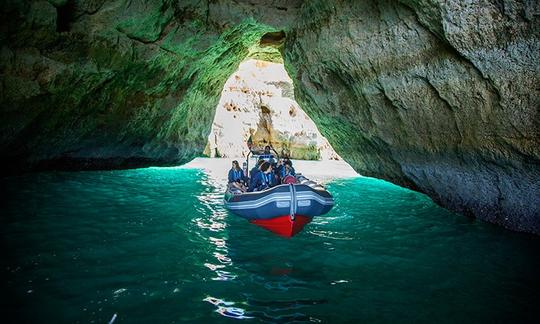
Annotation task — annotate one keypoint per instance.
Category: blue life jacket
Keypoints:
(261, 181)
(267, 179)
(284, 172)
(236, 175)
(253, 172)
(254, 180)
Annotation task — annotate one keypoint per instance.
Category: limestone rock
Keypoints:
(258, 101)
(108, 84)
(442, 98)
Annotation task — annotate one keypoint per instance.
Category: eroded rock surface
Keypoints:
(439, 96)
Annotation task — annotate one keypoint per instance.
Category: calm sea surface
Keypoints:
(157, 246)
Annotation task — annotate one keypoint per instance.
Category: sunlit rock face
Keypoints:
(258, 101)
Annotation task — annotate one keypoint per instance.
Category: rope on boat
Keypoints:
(293, 198)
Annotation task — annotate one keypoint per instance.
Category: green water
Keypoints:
(156, 246)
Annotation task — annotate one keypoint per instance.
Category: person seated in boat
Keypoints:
(287, 169)
(288, 175)
(255, 169)
(267, 155)
(263, 179)
(245, 171)
(287, 159)
(277, 169)
(236, 176)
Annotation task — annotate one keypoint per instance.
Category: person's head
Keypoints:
(244, 165)
(288, 163)
(267, 149)
(260, 162)
(235, 165)
(266, 167)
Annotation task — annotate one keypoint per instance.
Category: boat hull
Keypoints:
(286, 225)
(272, 208)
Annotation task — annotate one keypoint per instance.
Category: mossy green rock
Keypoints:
(439, 96)
(130, 84)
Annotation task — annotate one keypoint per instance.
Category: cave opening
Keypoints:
(257, 102)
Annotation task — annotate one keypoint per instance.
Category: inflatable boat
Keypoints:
(284, 209)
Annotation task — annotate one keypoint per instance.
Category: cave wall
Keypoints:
(107, 84)
(438, 96)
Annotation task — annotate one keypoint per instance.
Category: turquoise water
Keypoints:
(156, 246)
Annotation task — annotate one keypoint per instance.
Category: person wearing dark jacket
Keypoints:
(255, 169)
(277, 169)
(262, 179)
(267, 155)
(287, 170)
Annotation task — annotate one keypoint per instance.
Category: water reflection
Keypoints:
(225, 308)
(269, 273)
(211, 223)
(210, 208)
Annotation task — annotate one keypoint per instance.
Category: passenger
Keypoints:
(287, 169)
(285, 159)
(278, 169)
(255, 169)
(245, 170)
(263, 179)
(236, 176)
(269, 176)
(267, 155)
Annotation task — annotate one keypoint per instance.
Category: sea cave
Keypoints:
(120, 120)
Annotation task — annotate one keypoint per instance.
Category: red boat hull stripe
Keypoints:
(283, 225)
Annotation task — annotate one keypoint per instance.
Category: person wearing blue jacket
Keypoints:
(262, 179)
(267, 155)
(287, 170)
(236, 176)
(255, 169)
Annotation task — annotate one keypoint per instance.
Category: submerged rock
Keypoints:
(438, 96)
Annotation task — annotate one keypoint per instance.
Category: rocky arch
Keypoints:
(421, 93)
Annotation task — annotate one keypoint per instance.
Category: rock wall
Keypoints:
(258, 102)
(107, 84)
(438, 96)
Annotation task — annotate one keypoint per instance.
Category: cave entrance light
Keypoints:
(258, 100)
